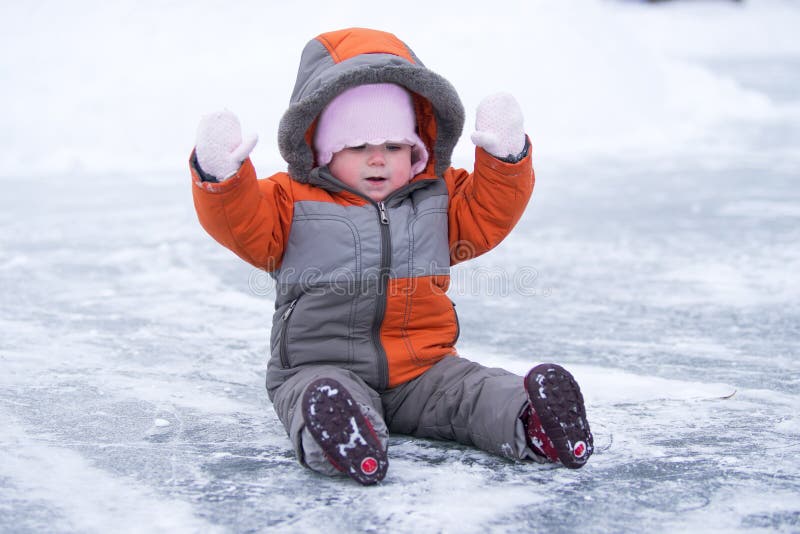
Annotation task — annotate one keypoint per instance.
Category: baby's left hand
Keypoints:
(498, 126)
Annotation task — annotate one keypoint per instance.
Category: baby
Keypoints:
(359, 235)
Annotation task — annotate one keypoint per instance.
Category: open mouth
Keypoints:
(376, 179)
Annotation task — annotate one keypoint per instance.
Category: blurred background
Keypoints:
(99, 87)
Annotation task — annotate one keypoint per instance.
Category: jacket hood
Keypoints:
(335, 61)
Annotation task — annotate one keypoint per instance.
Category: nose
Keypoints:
(375, 155)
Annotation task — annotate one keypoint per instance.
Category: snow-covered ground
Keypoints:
(658, 261)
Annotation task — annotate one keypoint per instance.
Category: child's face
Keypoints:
(374, 170)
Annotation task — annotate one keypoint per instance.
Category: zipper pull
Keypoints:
(384, 216)
(289, 310)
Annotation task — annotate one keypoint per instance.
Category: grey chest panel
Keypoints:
(339, 245)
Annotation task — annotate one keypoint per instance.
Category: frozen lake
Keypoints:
(132, 351)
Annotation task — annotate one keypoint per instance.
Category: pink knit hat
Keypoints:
(369, 114)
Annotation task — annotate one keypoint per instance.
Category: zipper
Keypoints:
(283, 349)
(382, 213)
(458, 323)
(380, 308)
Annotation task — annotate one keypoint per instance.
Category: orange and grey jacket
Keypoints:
(362, 284)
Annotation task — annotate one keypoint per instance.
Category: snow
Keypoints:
(355, 439)
(657, 261)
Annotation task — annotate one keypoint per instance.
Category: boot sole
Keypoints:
(336, 423)
(557, 400)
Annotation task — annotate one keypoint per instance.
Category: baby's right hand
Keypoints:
(219, 146)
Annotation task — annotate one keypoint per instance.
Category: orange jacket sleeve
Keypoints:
(250, 217)
(485, 205)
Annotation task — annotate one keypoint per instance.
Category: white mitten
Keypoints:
(498, 126)
(219, 147)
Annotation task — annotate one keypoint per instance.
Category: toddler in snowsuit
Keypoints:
(359, 236)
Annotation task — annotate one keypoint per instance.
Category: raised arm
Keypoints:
(250, 217)
(486, 204)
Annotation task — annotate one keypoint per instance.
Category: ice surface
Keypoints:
(657, 261)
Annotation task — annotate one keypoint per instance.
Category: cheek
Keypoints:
(401, 175)
(402, 167)
(343, 167)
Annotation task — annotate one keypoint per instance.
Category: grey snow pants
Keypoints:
(455, 400)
